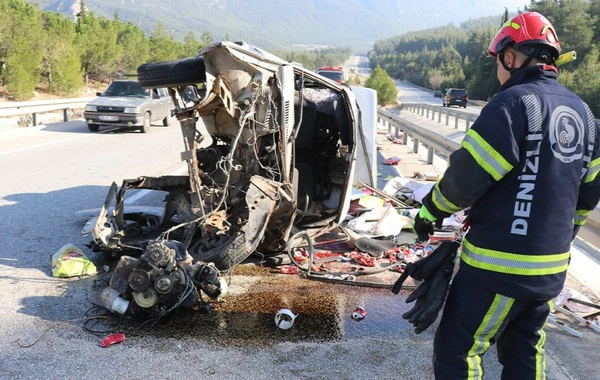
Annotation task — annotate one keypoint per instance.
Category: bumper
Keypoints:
(117, 120)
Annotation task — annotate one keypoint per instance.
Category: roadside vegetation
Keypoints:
(380, 81)
(60, 55)
(453, 56)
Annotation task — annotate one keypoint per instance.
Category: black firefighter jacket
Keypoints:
(528, 167)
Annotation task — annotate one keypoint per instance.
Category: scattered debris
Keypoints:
(426, 176)
(359, 314)
(112, 339)
(288, 269)
(284, 319)
(70, 261)
(391, 161)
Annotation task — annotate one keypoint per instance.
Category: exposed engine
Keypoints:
(162, 279)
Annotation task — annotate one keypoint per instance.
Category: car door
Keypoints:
(157, 105)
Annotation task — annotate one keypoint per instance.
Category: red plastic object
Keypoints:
(391, 161)
(112, 339)
(359, 313)
(288, 269)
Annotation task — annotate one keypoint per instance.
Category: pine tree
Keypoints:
(21, 47)
(380, 81)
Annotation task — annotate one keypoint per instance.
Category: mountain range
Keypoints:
(291, 24)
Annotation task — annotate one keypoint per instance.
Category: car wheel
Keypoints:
(93, 127)
(167, 120)
(146, 124)
(181, 72)
(232, 252)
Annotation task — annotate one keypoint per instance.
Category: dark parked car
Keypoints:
(438, 94)
(456, 97)
(126, 104)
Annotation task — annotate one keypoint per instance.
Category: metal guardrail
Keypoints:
(430, 111)
(34, 108)
(436, 141)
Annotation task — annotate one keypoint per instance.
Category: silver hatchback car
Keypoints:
(126, 104)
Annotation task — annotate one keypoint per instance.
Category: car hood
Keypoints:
(118, 101)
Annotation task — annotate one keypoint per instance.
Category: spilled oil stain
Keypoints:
(246, 316)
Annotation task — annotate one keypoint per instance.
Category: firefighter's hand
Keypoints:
(423, 225)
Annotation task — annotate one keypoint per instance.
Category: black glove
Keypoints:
(435, 271)
(423, 228)
(423, 268)
(430, 297)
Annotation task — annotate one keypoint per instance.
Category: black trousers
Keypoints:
(474, 318)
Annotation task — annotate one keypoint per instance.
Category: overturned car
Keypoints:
(271, 149)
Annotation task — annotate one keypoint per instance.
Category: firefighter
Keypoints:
(528, 170)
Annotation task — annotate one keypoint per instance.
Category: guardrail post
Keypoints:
(34, 119)
(429, 155)
(447, 117)
(427, 113)
(415, 145)
(433, 114)
(468, 123)
(456, 121)
(65, 115)
(440, 116)
(404, 137)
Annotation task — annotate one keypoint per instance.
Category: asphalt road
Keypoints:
(51, 172)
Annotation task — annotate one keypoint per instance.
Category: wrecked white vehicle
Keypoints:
(282, 148)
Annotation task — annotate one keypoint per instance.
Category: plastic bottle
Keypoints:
(288, 269)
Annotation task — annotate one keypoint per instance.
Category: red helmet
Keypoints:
(525, 31)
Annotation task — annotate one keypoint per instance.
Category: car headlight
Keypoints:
(131, 110)
(91, 108)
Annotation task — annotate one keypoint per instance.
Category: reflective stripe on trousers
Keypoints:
(475, 318)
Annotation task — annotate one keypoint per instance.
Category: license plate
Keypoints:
(108, 118)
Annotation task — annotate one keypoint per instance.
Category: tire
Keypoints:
(93, 127)
(167, 120)
(146, 123)
(228, 255)
(181, 72)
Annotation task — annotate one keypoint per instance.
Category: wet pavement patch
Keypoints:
(246, 316)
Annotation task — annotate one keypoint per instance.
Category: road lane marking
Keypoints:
(40, 145)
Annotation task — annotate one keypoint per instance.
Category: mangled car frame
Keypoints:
(278, 152)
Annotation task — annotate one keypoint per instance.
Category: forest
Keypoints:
(452, 56)
(50, 52)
